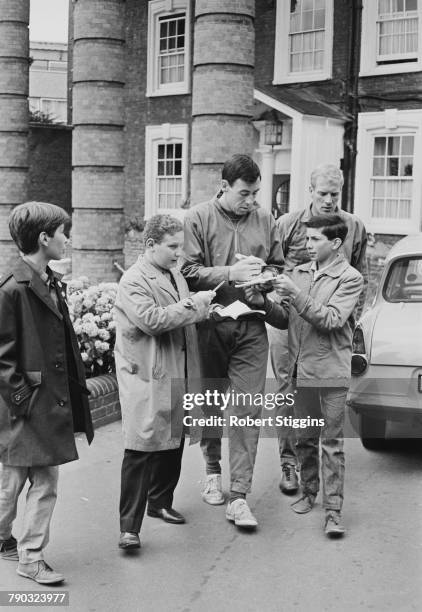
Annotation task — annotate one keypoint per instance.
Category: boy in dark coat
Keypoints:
(43, 396)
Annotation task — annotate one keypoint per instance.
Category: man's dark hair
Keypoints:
(240, 167)
(158, 225)
(28, 220)
(332, 226)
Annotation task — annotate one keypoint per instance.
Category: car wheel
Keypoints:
(372, 432)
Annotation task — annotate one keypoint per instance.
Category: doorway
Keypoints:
(281, 195)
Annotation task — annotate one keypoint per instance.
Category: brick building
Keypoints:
(165, 90)
(48, 80)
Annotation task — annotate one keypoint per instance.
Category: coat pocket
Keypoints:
(24, 397)
(34, 378)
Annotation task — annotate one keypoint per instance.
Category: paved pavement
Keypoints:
(208, 564)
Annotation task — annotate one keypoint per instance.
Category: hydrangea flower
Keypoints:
(91, 312)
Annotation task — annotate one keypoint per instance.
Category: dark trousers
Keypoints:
(151, 476)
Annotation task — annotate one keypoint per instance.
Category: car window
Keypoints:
(404, 280)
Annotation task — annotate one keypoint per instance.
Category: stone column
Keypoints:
(14, 116)
(222, 90)
(98, 138)
(265, 195)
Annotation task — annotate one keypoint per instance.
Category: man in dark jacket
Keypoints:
(43, 397)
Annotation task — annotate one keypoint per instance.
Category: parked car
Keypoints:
(387, 347)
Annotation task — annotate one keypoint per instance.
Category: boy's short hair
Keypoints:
(240, 167)
(328, 171)
(332, 226)
(159, 225)
(28, 220)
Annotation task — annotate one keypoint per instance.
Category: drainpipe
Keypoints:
(352, 106)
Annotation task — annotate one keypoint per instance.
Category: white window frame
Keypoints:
(36, 105)
(165, 8)
(369, 44)
(391, 122)
(163, 134)
(282, 72)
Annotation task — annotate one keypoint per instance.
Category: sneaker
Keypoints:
(289, 482)
(333, 527)
(212, 492)
(40, 572)
(303, 505)
(9, 549)
(239, 513)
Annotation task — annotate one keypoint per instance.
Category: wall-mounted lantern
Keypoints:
(273, 132)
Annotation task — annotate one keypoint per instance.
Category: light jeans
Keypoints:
(279, 352)
(40, 502)
(327, 403)
(234, 356)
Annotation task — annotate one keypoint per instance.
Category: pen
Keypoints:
(219, 285)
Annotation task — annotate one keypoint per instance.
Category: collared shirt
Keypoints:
(45, 275)
(317, 271)
(292, 231)
(169, 276)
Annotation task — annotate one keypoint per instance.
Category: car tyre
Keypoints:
(372, 432)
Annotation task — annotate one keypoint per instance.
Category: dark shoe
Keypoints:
(333, 526)
(303, 505)
(289, 483)
(167, 514)
(40, 572)
(9, 549)
(129, 540)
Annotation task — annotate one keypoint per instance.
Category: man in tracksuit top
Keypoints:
(230, 239)
(325, 189)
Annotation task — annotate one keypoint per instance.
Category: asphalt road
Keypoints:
(208, 564)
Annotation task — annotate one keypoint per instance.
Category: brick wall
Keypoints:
(50, 165)
(134, 247)
(142, 111)
(399, 91)
(265, 22)
(104, 399)
(401, 87)
(98, 147)
(14, 73)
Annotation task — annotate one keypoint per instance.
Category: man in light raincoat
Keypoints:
(156, 355)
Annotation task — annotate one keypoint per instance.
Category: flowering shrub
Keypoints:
(90, 309)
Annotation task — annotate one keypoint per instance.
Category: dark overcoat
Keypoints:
(43, 395)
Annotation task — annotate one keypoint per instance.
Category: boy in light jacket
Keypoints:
(318, 302)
